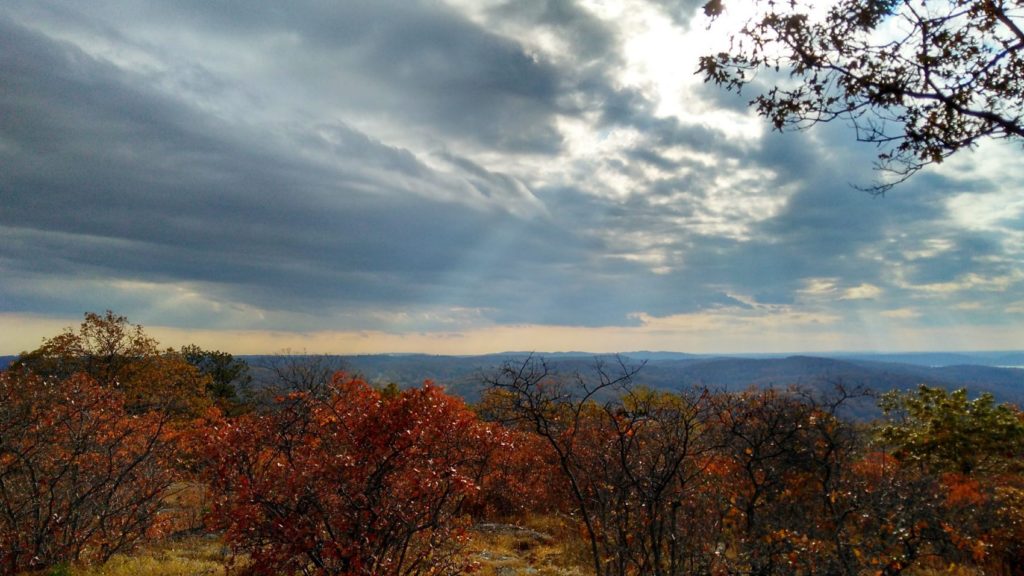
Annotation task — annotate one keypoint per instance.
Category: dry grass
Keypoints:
(541, 546)
(544, 546)
(193, 556)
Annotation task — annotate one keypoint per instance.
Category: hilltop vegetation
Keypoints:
(109, 443)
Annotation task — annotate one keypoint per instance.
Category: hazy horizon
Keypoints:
(247, 344)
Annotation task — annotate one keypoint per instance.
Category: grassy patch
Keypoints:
(541, 546)
(536, 546)
(194, 556)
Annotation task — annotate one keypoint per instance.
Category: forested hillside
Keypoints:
(465, 375)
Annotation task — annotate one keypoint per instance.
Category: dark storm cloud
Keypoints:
(428, 63)
(340, 160)
(591, 41)
(137, 186)
(416, 60)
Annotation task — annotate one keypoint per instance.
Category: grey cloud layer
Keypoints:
(142, 187)
(325, 160)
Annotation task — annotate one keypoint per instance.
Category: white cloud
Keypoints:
(819, 286)
(862, 291)
(901, 314)
(969, 282)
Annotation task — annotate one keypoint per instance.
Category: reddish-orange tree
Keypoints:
(783, 482)
(970, 452)
(632, 465)
(349, 482)
(117, 354)
(522, 478)
(80, 478)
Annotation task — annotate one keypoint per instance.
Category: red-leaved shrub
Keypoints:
(80, 477)
(349, 482)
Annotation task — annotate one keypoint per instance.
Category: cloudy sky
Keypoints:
(460, 177)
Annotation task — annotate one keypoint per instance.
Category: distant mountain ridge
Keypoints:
(993, 372)
(465, 375)
(999, 359)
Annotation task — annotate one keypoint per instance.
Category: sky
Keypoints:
(460, 177)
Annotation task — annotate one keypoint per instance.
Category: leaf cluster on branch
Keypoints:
(921, 79)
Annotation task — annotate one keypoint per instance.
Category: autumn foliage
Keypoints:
(80, 477)
(342, 478)
(117, 354)
(350, 482)
(774, 482)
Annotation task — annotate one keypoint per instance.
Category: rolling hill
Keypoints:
(465, 375)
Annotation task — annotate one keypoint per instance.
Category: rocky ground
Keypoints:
(510, 550)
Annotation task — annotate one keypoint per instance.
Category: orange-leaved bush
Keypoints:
(522, 478)
(349, 482)
(80, 477)
(117, 354)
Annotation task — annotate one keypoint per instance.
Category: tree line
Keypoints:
(335, 476)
